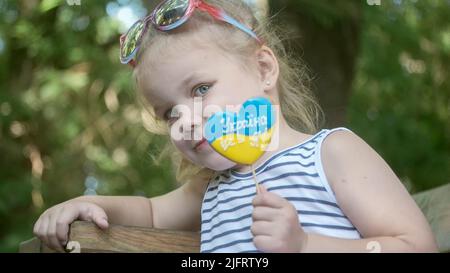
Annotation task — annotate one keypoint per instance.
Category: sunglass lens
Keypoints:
(171, 11)
(131, 39)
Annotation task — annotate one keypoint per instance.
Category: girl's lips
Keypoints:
(200, 143)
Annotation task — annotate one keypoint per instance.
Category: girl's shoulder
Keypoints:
(341, 143)
(335, 142)
(344, 155)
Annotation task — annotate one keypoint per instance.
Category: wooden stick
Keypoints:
(254, 178)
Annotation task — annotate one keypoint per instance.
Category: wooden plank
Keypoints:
(87, 237)
(34, 245)
(31, 246)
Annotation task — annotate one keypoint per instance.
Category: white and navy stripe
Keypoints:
(296, 173)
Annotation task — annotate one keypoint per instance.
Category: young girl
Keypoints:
(320, 190)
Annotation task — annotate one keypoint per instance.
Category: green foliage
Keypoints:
(68, 111)
(401, 97)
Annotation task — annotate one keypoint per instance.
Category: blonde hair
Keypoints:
(297, 103)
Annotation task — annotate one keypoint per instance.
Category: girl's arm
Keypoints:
(177, 210)
(374, 200)
(181, 208)
(122, 210)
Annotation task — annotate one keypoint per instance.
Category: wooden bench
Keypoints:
(86, 237)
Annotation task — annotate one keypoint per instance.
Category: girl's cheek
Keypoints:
(177, 143)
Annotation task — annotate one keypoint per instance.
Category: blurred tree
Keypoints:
(401, 95)
(326, 34)
(398, 95)
(68, 112)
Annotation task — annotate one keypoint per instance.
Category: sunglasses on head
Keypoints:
(169, 15)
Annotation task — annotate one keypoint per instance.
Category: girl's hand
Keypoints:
(275, 224)
(52, 227)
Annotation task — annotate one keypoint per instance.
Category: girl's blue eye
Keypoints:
(201, 90)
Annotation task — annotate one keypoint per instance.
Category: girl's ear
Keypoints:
(268, 69)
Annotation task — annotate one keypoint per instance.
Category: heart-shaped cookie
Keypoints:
(244, 136)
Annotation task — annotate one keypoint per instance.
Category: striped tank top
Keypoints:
(295, 173)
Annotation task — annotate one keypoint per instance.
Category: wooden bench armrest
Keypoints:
(87, 237)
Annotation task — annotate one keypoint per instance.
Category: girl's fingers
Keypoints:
(262, 189)
(263, 242)
(268, 199)
(43, 230)
(261, 228)
(62, 226)
(95, 214)
(264, 214)
(52, 237)
(52, 227)
(101, 222)
(66, 217)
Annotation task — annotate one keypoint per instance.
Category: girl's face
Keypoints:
(186, 88)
